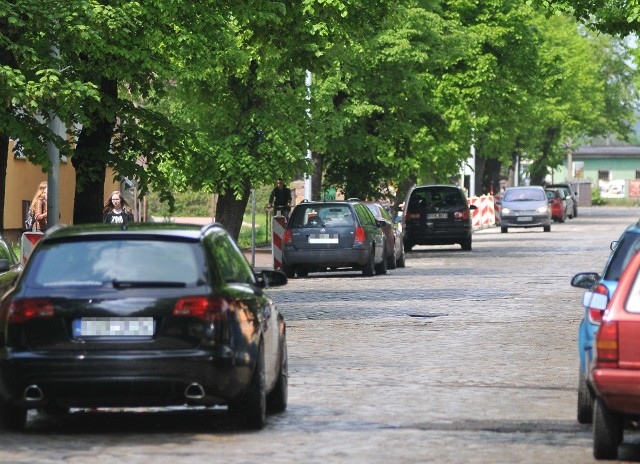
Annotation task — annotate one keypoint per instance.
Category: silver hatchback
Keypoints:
(525, 207)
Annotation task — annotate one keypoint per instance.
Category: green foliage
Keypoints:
(596, 198)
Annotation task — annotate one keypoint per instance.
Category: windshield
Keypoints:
(627, 246)
(524, 194)
(99, 262)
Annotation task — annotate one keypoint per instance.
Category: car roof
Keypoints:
(149, 229)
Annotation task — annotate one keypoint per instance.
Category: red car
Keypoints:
(557, 203)
(615, 370)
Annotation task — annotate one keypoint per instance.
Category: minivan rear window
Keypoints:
(436, 197)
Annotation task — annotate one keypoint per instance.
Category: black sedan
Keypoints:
(141, 315)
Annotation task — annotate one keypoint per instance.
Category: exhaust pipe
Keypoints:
(194, 391)
(33, 393)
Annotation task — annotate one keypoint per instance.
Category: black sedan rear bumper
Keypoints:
(125, 379)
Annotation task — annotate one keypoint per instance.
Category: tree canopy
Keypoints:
(212, 96)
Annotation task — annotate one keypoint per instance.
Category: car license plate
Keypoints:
(114, 327)
(324, 238)
(437, 216)
(524, 219)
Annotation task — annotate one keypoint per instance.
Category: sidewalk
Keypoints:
(263, 257)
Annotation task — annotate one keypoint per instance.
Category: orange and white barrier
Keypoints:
(484, 215)
(277, 239)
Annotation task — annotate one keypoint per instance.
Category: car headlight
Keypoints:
(543, 209)
(505, 211)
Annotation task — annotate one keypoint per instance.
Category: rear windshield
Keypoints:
(436, 197)
(524, 194)
(322, 216)
(98, 262)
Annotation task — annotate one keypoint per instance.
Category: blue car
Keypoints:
(623, 250)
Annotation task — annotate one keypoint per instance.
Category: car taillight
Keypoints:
(462, 214)
(23, 310)
(360, 236)
(607, 344)
(595, 315)
(412, 215)
(209, 309)
(287, 236)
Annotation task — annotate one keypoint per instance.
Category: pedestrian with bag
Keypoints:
(116, 210)
(280, 198)
(37, 218)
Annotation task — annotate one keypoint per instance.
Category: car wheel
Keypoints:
(251, 411)
(504, 230)
(563, 217)
(391, 260)
(607, 432)
(289, 271)
(575, 212)
(401, 259)
(277, 398)
(547, 228)
(585, 401)
(381, 267)
(12, 418)
(302, 272)
(408, 246)
(369, 269)
(466, 244)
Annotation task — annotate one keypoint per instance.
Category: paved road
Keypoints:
(463, 357)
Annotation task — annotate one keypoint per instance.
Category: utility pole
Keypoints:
(53, 188)
(307, 178)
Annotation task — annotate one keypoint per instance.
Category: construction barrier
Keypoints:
(28, 242)
(277, 239)
(484, 215)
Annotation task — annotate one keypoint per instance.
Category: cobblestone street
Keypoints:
(463, 357)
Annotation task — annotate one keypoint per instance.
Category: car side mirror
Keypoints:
(380, 223)
(268, 278)
(472, 207)
(585, 279)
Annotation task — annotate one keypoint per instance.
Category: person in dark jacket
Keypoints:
(116, 210)
(280, 198)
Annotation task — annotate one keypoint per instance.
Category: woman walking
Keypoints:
(39, 207)
(116, 210)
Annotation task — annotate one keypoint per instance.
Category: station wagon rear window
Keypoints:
(322, 216)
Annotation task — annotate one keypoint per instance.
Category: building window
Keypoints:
(604, 174)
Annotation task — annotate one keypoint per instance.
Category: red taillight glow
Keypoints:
(607, 345)
(19, 311)
(210, 309)
(287, 236)
(412, 215)
(360, 236)
(595, 315)
(463, 214)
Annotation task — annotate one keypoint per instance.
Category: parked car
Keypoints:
(524, 207)
(614, 371)
(558, 202)
(437, 215)
(623, 249)
(10, 266)
(141, 315)
(392, 232)
(332, 235)
(572, 194)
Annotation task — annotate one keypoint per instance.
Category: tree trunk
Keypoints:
(90, 161)
(230, 210)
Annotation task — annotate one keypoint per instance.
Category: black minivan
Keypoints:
(437, 215)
